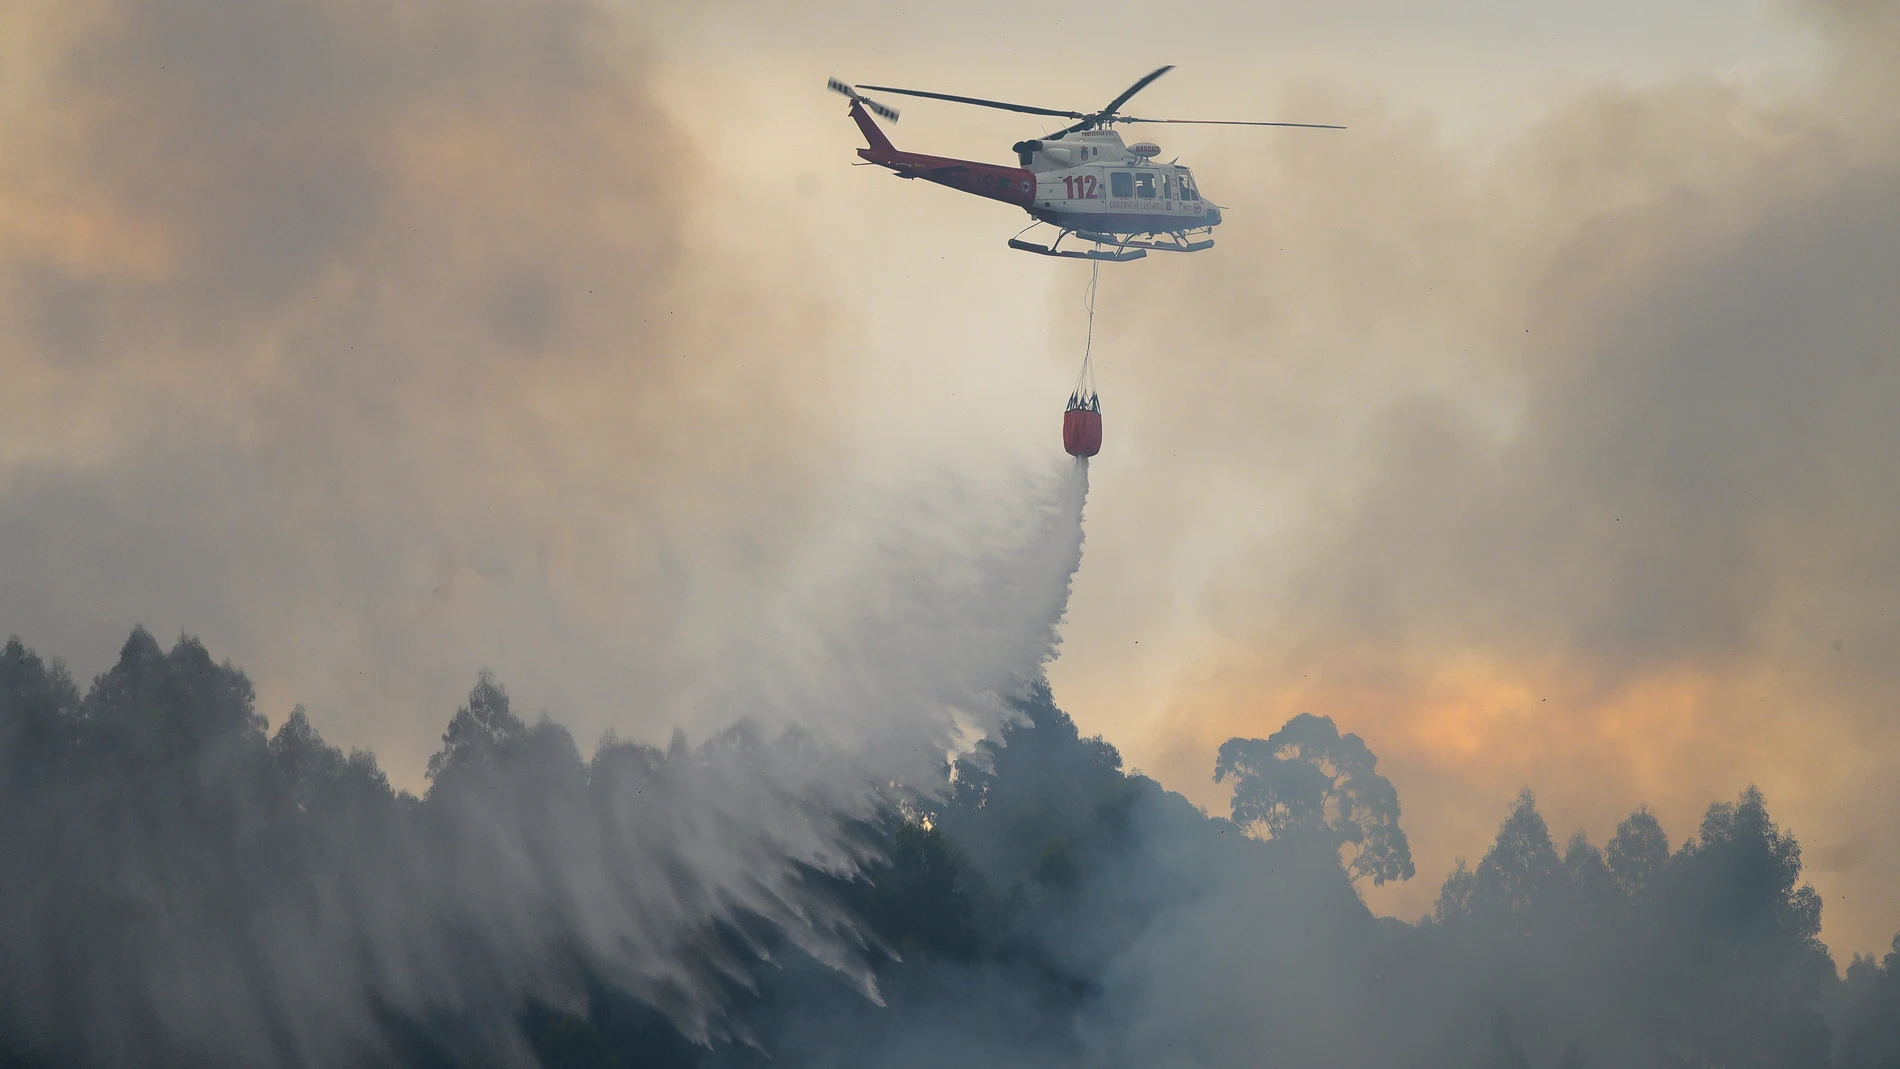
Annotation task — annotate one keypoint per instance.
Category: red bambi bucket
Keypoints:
(1082, 431)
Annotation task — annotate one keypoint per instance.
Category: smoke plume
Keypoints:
(1564, 464)
(371, 345)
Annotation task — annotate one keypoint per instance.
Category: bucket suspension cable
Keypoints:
(1082, 420)
(1085, 395)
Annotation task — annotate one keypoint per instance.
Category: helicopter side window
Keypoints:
(1145, 186)
(1121, 184)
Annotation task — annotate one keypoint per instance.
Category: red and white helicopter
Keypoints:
(1082, 180)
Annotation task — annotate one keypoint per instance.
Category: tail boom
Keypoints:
(1011, 185)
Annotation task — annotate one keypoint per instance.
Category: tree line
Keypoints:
(186, 886)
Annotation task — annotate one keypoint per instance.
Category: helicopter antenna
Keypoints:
(837, 86)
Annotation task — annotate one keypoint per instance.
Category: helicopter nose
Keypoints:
(1213, 216)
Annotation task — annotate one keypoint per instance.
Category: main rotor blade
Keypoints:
(1133, 89)
(1233, 122)
(978, 101)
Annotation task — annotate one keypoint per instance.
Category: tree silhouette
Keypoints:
(1744, 943)
(1870, 1001)
(1593, 887)
(1312, 786)
(1521, 875)
(1638, 853)
(481, 733)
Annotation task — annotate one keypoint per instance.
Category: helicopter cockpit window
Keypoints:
(1145, 186)
(1188, 192)
(1121, 184)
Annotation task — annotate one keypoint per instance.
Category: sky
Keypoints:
(1536, 427)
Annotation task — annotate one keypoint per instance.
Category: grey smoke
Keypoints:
(376, 345)
(1569, 461)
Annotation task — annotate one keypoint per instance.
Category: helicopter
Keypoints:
(1082, 180)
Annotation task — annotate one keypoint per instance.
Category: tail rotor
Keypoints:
(872, 106)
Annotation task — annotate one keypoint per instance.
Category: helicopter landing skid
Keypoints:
(1180, 242)
(1117, 256)
(1054, 248)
